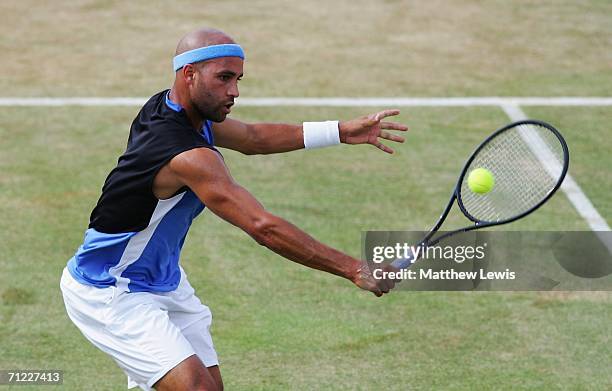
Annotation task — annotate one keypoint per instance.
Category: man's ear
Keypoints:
(188, 72)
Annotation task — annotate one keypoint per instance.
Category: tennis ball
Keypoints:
(481, 181)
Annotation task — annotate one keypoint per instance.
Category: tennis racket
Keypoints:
(528, 159)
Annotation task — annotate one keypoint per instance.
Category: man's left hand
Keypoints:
(369, 129)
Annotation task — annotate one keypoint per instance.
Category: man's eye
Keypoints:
(225, 77)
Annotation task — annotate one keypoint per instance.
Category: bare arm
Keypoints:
(204, 172)
(261, 138)
(266, 138)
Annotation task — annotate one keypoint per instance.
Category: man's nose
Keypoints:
(233, 91)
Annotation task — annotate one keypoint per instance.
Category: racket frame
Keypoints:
(456, 194)
(543, 124)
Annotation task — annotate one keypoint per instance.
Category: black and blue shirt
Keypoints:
(134, 239)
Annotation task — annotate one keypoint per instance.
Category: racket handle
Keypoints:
(404, 263)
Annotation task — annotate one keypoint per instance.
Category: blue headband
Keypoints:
(207, 53)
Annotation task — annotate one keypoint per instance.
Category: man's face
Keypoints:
(215, 87)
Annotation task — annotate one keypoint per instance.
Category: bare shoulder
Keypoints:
(186, 167)
(197, 163)
(204, 172)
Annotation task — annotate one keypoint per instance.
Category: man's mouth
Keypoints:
(228, 107)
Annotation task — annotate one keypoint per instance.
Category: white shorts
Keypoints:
(146, 333)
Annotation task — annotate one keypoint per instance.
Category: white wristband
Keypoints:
(321, 134)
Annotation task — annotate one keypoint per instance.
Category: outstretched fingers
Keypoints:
(393, 126)
(391, 137)
(387, 136)
(385, 113)
(384, 148)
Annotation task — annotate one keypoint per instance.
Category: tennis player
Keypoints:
(124, 288)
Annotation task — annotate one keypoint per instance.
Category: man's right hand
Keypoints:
(365, 280)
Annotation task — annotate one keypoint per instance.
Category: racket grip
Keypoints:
(404, 263)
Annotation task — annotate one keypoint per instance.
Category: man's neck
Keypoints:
(177, 96)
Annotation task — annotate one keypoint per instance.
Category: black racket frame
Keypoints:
(456, 194)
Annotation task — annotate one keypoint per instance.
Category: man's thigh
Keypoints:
(193, 318)
(190, 375)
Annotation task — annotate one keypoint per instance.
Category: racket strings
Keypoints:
(526, 161)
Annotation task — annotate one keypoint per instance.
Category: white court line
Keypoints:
(72, 101)
(335, 101)
(572, 190)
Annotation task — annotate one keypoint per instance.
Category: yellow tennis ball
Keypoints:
(481, 181)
